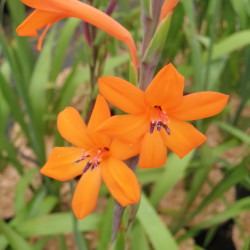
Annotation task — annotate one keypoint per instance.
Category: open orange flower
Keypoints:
(95, 157)
(50, 11)
(157, 116)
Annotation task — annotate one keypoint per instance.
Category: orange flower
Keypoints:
(167, 8)
(95, 157)
(157, 116)
(50, 11)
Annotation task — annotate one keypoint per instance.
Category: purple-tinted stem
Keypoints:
(111, 6)
(86, 32)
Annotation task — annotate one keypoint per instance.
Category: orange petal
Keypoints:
(60, 165)
(199, 105)
(167, 7)
(128, 128)
(153, 152)
(86, 193)
(99, 114)
(73, 129)
(183, 137)
(37, 20)
(87, 13)
(121, 181)
(122, 94)
(166, 89)
(123, 151)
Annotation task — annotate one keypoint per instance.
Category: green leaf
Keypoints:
(106, 227)
(57, 223)
(138, 237)
(154, 50)
(158, 234)
(174, 170)
(146, 176)
(114, 62)
(46, 206)
(120, 241)
(80, 240)
(231, 212)
(3, 242)
(231, 43)
(14, 239)
(231, 178)
(21, 188)
(65, 37)
(13, 104)
(234, 131)
(241, 11)
(194, 45)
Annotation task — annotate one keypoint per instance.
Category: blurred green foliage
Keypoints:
(208, 41)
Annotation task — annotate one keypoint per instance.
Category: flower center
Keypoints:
(159, 119)
(94, 159)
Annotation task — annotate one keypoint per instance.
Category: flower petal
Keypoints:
(73, 129)
(87, 13)
(123, 150)
(121, 181)
(128, 128)
(199, 105)
(99, 114)
(167, 7)
(122, 94)
(60, 165)
(166, 89)
(153, 152)
(37, 20)
(183, 137)
(86, 193)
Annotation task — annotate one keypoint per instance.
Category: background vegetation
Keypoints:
(187, 202)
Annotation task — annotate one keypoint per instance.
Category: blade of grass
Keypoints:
(65, 38)
(191, 35)
(57, 223)
(158, 234)
(234, 131)
(14, 239)
(106, 227)
(138, 238)
(231, 212)
(21, 187)
(231, 43)
(174, 170)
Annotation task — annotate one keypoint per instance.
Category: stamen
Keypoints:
(152, 126)
(159, 124)
(88, 165)
(95, 158)
(166, 128)
(81, 158)
(159, 119)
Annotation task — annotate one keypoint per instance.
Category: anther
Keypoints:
(81, 158)
(88, 165)
(159, 124)
(152, 126)
(166, 128)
